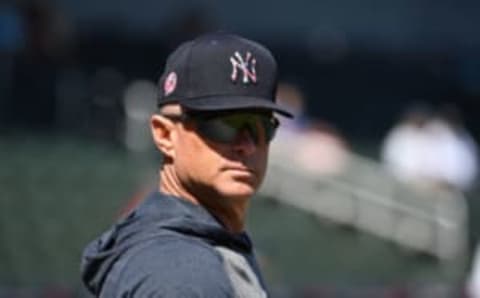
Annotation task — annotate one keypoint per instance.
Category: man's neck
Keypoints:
(232, 216)
(230, 213)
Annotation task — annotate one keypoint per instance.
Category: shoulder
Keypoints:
(175, 254)
(170, 268)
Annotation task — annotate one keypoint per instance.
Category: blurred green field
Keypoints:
(57, 193)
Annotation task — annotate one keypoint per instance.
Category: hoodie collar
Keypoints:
(159, 214)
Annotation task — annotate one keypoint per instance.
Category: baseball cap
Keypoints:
(220, 72)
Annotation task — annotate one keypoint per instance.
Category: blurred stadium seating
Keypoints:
(59, 192)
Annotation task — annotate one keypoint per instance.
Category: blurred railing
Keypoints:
(364, 196)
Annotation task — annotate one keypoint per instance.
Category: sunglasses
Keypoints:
(225, 128)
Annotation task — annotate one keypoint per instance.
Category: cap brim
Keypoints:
(206, 104)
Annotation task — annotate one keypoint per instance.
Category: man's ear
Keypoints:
(162, 131)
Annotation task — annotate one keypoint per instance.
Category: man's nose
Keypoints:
(245, 142)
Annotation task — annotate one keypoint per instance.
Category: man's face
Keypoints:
(223, 169)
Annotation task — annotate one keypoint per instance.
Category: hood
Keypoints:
(156, 216)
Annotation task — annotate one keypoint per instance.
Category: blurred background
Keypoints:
(372, 190)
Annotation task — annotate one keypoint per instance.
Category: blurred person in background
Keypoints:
(139, 100)
(12, 29)
(432, 149)
(12, 41)
(403, 147)
(47, 37)
(321, 149)
(459, 152)
(49, 31)
(291, 97)
(214, 127)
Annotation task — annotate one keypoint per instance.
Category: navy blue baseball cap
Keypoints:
(220, 72)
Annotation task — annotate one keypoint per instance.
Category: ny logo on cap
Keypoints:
(246, 66)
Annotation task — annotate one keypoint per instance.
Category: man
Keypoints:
(188, 239)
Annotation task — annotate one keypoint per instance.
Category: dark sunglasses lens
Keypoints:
(270, 126)
(217, 130)
(226, 128)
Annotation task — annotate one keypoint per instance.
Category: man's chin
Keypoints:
(239, 190)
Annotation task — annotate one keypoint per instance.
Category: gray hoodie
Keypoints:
(168, 247)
